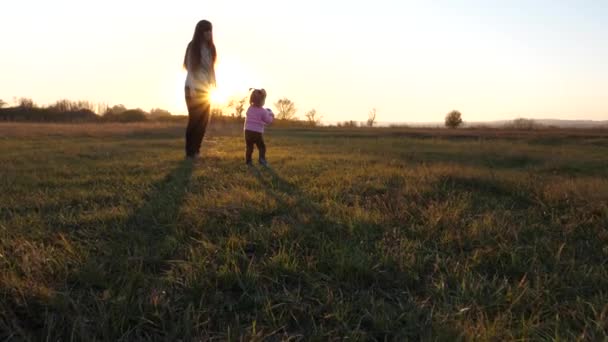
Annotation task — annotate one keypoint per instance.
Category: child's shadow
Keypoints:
(278, 188)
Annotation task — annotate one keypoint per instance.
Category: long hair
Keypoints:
(193, 51)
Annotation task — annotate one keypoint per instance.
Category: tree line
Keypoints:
(285, 111)
(25, 109)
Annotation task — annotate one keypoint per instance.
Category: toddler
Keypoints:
(256, 119)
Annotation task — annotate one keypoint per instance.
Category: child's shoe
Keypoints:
(263, 162)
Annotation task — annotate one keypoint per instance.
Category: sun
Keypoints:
(218, 96)
(233, 82)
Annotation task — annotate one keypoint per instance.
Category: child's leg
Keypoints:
(249, 141)
(261, 147)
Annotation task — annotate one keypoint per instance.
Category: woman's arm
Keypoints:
(212, 76)
(186, 56)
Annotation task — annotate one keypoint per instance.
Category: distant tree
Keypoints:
(217, 111)
(157, 112)
(102, 108)
(84, 105)
(238, 105)
(453, 119)
(61, 106)
(130, 115)
(2, 103)
(286, 109)
(25, 103)
(64, 106)
(348, 124)
(371, 117)
(116, 109)
(313, 118)
(521, 123)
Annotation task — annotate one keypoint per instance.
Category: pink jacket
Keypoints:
(257, 118)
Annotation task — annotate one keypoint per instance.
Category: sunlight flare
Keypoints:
(218, 96)
(233, 81)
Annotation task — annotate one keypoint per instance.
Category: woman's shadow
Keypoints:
(145, 241)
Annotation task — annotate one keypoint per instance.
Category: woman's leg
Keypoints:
(204, 114)
(191, 128)
(199, 110)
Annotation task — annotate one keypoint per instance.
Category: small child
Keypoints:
(257, 117)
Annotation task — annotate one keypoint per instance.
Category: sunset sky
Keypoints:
(413, 61)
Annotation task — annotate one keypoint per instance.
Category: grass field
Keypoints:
(106, 233)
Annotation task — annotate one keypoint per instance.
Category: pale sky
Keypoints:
(413, 61)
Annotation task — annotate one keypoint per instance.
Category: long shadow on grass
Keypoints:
(105, 296)
(114, 284)
(148, 236)
(347, 267)
(277, 187)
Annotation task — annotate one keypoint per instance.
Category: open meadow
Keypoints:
(107, 233)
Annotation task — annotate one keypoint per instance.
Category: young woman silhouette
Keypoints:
(199, 61)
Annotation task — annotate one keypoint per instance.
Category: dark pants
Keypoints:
(257, 139)
(199, 110)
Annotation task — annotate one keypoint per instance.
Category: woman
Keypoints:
(199, 61)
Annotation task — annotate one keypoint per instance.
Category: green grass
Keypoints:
(350, 234)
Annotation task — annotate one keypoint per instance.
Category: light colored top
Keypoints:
(202, 78)
(257, 118)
